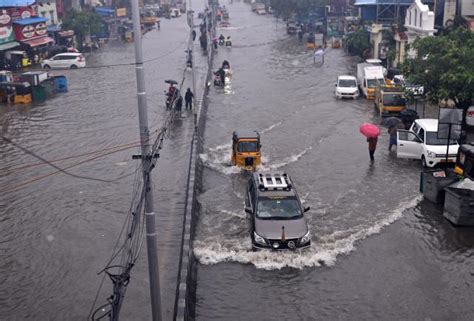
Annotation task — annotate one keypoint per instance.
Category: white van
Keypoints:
(421, 142)
(346, 87)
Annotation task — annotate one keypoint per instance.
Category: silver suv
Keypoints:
(276, 214)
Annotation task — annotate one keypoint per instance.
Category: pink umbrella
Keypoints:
(369, 130)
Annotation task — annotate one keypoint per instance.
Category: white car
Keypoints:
(175, 13)
(416, 90)
(346, 87)
(70, 60)
(421, 142)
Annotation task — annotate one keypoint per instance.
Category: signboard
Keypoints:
(17, 13)
(5, 18)
(32, 31)
(6, 34)
(121, 12)
(449, 123)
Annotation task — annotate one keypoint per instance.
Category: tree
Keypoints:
(83, 23)
(444, 66)
(358, 43)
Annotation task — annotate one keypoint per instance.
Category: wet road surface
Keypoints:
(59, 231)
(378, 251)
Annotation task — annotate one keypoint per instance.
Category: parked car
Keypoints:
(421, 142)
(65, 60)
(346, 87)
(411, 89)
(175, 13)
(276, 214)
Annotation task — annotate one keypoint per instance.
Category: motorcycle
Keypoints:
(217, 80)
(221, 42)
(228, 44)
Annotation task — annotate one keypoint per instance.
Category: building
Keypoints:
(419, 23)
(384, 12)
(48, 11)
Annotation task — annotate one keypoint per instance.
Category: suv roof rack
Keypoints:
(274, 181)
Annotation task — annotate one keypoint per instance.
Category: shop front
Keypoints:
(32, 33)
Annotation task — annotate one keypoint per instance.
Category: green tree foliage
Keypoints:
(358, 42)
(444, 65)
(83, 23)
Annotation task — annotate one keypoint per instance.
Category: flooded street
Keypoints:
(378, 251)
(58, 231)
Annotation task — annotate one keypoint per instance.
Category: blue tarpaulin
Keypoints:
(16, 3)
(30, 21)
(104, 11)
(383, 2)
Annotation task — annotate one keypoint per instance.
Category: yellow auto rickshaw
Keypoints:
(465, 161)
(246, 149)
(19, 58)
(16, 92)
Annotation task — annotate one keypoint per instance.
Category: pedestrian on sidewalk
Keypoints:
(372, 146)
(179, 104)
(188, 98)
(194, 34)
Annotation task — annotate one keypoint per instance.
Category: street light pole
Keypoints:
(146, 162)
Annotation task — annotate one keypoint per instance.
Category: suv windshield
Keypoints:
(432, 139)
(393, 100)
(278, 208)
(347, 83)
(248, 147)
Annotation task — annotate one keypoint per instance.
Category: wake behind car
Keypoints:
(276, 215)
(72, 60)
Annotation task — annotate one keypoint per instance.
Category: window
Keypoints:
(347, 83)
(393, 100)
(421, 20)
(409, 17)
(248, 147)
(407, 136)
(421, 134)
(432, 139)
(416, 15)
(275, 208)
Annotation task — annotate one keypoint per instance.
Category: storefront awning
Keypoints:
(38, 41)
(9, 45)
(30, 21)
(66, 33)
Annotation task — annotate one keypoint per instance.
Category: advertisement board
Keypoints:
(31, 31)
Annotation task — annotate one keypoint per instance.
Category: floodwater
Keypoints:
(57, 231)
(379, 251)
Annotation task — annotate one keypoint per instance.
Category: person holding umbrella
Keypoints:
(371, 132)
(393, 123)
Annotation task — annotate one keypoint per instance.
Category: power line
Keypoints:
(59, 169)
(126, 64)
(132, 245)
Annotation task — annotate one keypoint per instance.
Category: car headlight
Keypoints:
(431, 154)
(258, 239)
(306, 238)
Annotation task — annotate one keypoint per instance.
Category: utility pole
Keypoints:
(146, 157)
